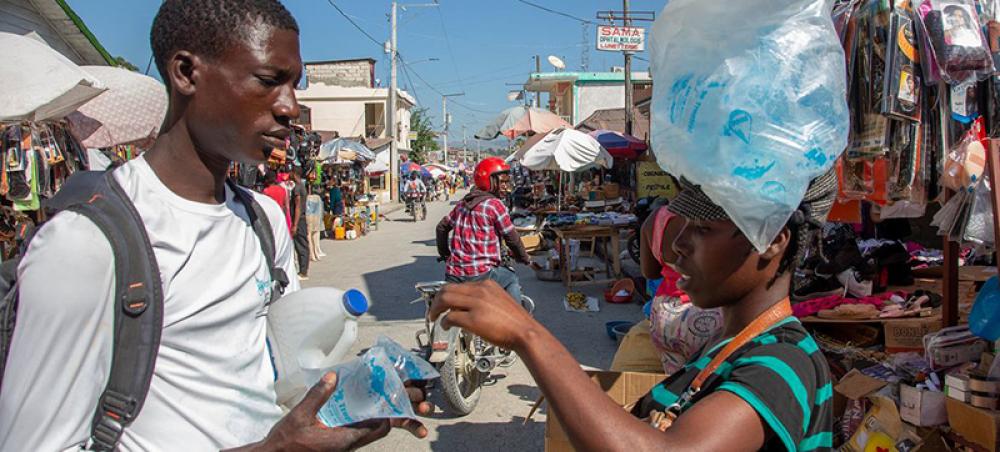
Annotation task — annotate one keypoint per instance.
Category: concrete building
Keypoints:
(342, 97)
(56, 23)
(576, 95)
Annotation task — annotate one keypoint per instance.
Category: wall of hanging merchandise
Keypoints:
(36, 160)
(924, 92)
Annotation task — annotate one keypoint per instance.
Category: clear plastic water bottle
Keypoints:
(309, 332)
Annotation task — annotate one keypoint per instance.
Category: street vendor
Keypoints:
(763, 386)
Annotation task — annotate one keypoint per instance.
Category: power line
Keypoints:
(439, 92)
(560, 13)
(447, 41)
(362, 30)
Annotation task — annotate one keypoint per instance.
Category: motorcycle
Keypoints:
(464, 360)
(415, 205)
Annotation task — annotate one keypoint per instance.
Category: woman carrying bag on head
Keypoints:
(764, 385)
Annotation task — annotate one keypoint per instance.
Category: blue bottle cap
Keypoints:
(355, 302)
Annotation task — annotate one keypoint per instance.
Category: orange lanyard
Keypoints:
(776, 313)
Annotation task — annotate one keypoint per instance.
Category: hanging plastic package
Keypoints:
(984, 320)
(750, 103)
(958, 49)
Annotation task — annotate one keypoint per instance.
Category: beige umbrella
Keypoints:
(131, 111)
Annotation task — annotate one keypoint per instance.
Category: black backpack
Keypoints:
(138, 293)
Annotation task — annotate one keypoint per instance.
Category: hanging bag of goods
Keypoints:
(749, 101)
(954, 39)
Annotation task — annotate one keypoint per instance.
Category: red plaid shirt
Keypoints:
(475, 239)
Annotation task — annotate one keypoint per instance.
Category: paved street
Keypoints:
(386, 264)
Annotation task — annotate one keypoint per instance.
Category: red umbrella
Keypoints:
(619, 144)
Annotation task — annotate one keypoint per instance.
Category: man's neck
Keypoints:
(737, 316)
(191, 174)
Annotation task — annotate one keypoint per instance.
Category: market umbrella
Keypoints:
(131, 110)
(40, 83)
(566, 150)
(437, 171)
(330, 151)
(409, 167)
(619, 144)
(521, 120)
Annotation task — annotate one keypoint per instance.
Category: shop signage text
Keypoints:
(621, 39)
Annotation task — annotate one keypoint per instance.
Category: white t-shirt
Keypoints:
(213, 383)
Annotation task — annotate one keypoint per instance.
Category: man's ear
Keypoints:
(777, 248)
(183, 71)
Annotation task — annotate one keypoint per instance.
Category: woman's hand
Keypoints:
(486, 310)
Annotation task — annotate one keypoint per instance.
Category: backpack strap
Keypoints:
(262, 228)
(138, 310)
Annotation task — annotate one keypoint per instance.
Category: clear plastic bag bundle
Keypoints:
(750, 103)
(371, 387)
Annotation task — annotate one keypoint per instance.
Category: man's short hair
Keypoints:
(210, 27)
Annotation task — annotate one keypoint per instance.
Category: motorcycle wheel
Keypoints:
(633, 248)
(423, 212)
(461, 383)
(413, 212)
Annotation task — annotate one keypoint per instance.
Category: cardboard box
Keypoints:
(921, 407)
(532, 242)
(907, 335)
(624, 387)
(976, 425)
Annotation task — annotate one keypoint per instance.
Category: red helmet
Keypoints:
(486, 169)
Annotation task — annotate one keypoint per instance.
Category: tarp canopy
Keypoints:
(39, 83)
(566, 150)
(336, 150)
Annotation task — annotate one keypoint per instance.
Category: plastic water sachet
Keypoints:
(372, 386)
(749, 101)
(408, 366)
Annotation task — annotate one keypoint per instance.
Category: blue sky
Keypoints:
(480, 44)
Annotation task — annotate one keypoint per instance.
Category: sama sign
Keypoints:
(621, 39)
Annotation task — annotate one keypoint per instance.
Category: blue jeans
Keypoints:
(501, 275)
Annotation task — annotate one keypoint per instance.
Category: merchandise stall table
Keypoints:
(588, 233)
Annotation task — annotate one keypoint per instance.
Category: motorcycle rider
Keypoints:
(414, 187)
(479, 221)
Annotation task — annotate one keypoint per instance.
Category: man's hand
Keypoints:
(486, 310)
(300, 429)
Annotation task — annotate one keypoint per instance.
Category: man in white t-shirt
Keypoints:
(231, 67)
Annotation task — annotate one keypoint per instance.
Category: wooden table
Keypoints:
(588, 233)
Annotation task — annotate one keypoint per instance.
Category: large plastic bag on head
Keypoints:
(749, 101)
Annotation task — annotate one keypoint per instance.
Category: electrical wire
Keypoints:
(349, 19)
(560, 13)
(447, 41)
(440, 93)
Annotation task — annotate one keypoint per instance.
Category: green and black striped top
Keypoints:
(782, 374)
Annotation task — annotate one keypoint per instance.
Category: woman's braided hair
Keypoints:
(806, 222)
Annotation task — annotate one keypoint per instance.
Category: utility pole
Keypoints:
(538, 69)
(393, 146)
(628, 75)
(393, 87)
(445, 121)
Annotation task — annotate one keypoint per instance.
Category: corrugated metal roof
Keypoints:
(72, 29)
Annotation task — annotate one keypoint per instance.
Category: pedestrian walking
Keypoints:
(300, 230)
